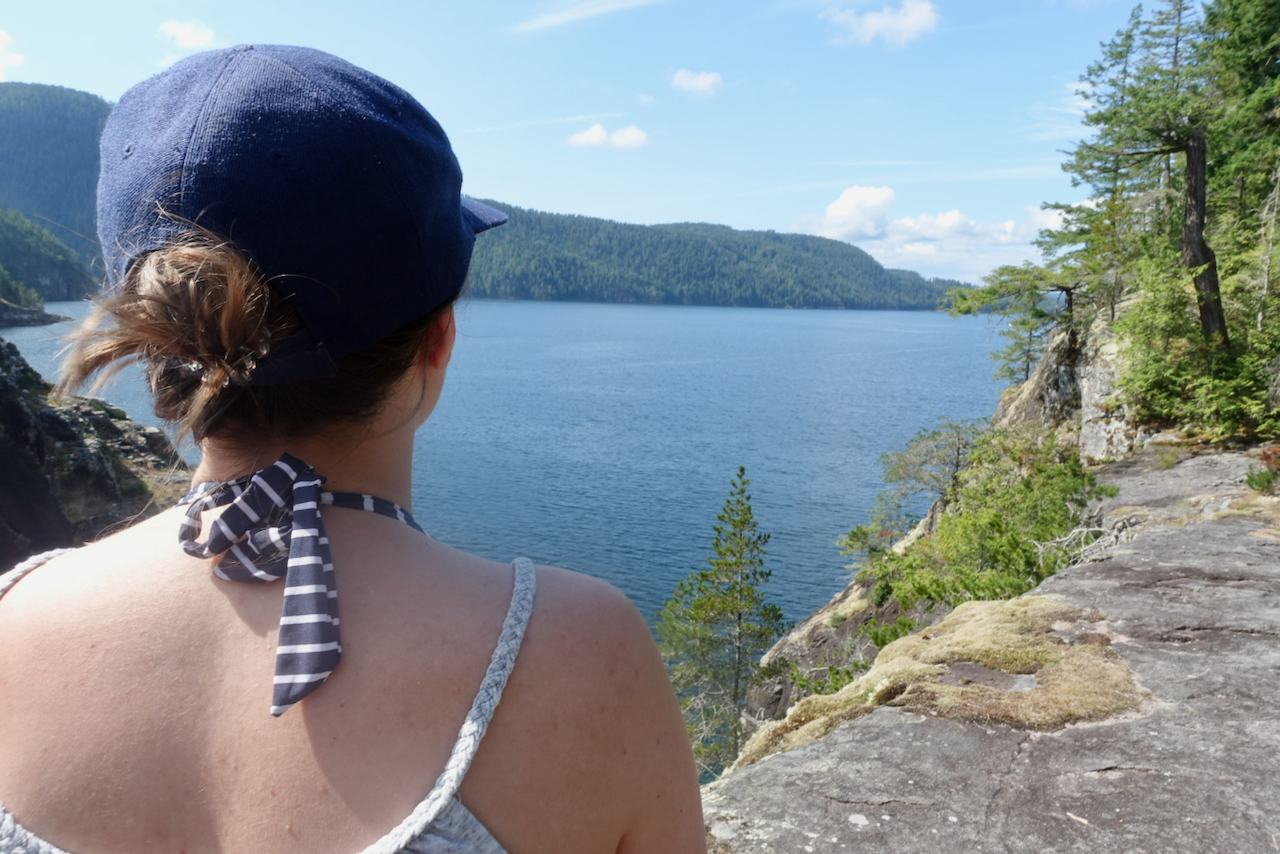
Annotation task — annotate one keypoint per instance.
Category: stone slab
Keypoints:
(1192, 603)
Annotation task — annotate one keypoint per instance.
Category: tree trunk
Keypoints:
(1196, 253)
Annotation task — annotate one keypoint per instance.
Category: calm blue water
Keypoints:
(602, 438)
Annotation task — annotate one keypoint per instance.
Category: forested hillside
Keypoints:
(48, 172)
(548, 256)
(38, 265)
(1178, 244)
(49, 159)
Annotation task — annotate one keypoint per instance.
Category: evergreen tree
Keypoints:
(715, 627)
(1151, 102)
(1034, 299)
(1181, 226)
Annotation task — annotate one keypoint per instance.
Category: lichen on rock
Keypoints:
(1077, 676)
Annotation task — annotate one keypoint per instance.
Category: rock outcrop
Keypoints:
(16, 315)
(1182, 604)
(1051, 394)
(71, 470)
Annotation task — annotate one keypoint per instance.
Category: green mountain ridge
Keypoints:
(49, 159)
(48, 173)
(546, 256)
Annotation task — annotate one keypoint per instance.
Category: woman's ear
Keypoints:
(440, 339)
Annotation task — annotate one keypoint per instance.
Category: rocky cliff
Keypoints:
(1128, 704)
(71, 470)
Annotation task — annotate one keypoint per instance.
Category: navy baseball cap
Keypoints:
(338, 185)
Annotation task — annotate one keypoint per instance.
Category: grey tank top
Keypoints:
(438, 825)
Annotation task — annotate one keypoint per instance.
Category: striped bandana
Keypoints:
(271, 529)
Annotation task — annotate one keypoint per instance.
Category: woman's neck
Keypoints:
(374, 457)
(379, 465)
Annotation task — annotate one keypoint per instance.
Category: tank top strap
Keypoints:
(477, 721)
(15, 575)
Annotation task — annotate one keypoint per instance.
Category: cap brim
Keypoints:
(481, 217)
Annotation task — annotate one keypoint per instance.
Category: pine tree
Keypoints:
(1151, 100)
(714, 628)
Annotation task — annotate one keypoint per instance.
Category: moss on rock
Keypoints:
(1073, 681)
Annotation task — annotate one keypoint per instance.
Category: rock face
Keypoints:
(1052, 393)
(1189, 599)
(72, 470)
(1107, 429)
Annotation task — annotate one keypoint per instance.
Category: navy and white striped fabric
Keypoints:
(272, 530)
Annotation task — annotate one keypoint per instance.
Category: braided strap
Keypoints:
(477, 721)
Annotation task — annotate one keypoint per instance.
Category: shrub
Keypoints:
(1017, 500)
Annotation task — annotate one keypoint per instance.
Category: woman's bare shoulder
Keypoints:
(594, 720)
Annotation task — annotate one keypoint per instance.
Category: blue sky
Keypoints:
(928, 132)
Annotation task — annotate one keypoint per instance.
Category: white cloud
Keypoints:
(897, 26)
(947, 244)
(697, 83)
(7, 60)
(577, 12)
(597, 137)
(186, 36)
(646, 99)
(859, 212)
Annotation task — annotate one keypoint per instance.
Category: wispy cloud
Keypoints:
(876, 163)
(186, 36)
(7, 59)
(704, 83)
(567, 14)
(646, 99)
(947, 244)
(597, 137)
(909, 21)
(563, 120)
(1062, 118)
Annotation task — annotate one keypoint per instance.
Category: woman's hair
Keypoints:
(198, 316)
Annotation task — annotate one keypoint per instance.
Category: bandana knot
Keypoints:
(270, 530)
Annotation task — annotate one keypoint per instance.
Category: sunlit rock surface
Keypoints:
(1188, 599)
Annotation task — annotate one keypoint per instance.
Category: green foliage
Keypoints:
(1179, 236)
(928, 466)
(714, 628)
(1173, 377)
(1033, 300)
(881, 593)
(1265, 479)
(883, 634)
(32, 255)
(1007, 527)
(827, 678)
(932, 460)
(49, 159)
(888, 523)
(546, 256)
(11, 290)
